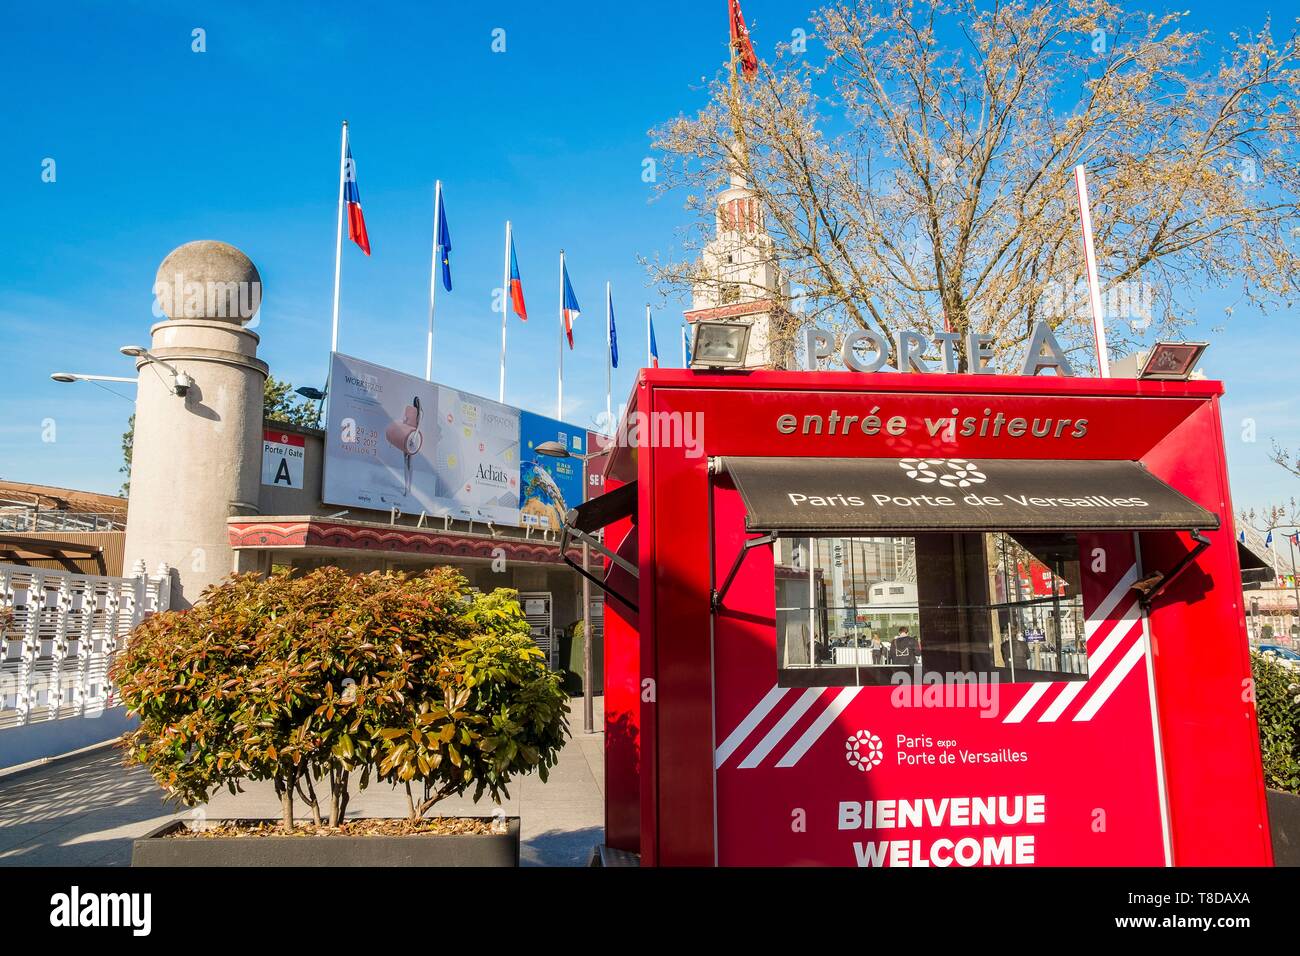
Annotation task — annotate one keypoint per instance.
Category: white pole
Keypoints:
(559, 395)
(433, 280)
(609, 407)
(683, 346)
(1090, 262)
(505, 311)
(338, 237)
(648, 360)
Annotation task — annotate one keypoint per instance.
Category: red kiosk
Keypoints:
(920, 620)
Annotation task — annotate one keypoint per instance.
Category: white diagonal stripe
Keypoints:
(1122, 629)
(1126, 664)
(1026, 703)
(1062, 701)
(752, 720)
(1103, 610)
(814, 732)
(797, 710)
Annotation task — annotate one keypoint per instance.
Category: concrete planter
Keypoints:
(1284, 821)
(496, 849)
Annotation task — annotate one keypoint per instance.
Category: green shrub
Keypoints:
(1277, 706)
(334, 678)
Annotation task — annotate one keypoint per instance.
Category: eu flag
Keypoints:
(613, 336)
(444, 244)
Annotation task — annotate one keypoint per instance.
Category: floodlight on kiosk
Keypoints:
(720, 344)
(1172, 361)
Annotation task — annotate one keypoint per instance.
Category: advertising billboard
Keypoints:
(394, 440)
(548, 486)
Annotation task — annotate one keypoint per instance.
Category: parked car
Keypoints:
(1284, 654)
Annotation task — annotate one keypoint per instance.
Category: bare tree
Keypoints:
(920, 175)
(1290, 460)
(1283, 515)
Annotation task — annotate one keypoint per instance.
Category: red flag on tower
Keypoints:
(740, 41)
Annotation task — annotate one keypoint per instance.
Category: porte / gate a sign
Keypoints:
(283, 454)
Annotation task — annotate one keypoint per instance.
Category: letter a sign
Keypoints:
(282, 459)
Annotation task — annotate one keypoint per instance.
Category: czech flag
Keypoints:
(516, 284)
(352, 196)
(654, 347)
(570, 307)
(444, 244)
(741, 43)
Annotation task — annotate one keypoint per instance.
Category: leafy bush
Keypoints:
(329, 678)
(1277, 706)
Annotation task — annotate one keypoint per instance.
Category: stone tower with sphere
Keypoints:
(196, 455)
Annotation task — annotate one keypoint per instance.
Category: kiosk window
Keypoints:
(855, 611)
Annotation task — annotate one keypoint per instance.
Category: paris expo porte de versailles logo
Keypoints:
(864, 751)
(948, 472)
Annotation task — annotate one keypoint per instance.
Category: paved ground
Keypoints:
(85, 811)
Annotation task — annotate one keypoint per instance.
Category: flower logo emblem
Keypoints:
(864, 751)
(949, 472)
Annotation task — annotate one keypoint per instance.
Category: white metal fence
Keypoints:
(59, 632)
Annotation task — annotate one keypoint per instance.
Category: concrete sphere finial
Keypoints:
(207, 279)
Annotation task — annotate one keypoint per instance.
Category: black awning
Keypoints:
(1255, 568)
(589, 517)
(604, 509)
(873, 495)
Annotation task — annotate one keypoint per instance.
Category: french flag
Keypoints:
(570, 307)
(516, 284)
(352, 196)
(654, 347)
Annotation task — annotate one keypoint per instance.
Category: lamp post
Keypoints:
(181, 381)
(77, 377)
(314, 395)
(555, 449)
(1295, 576)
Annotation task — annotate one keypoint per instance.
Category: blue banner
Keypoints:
(548, 485)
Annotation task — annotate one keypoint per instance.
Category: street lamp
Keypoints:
(77, 377)
(181, 382)
(557, 449)
(314, 395)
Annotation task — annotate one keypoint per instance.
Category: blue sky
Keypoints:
(156, 145)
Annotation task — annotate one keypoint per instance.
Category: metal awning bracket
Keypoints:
(715, 599)
(1150, 587)
(592, 541)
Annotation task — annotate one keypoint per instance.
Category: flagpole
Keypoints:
(433, 279)
(609, 407)
(559, 394)
(683, 345)
(505, 312)
(1090, 266)
(1295, 577)
(338, 237)
(649, 359)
